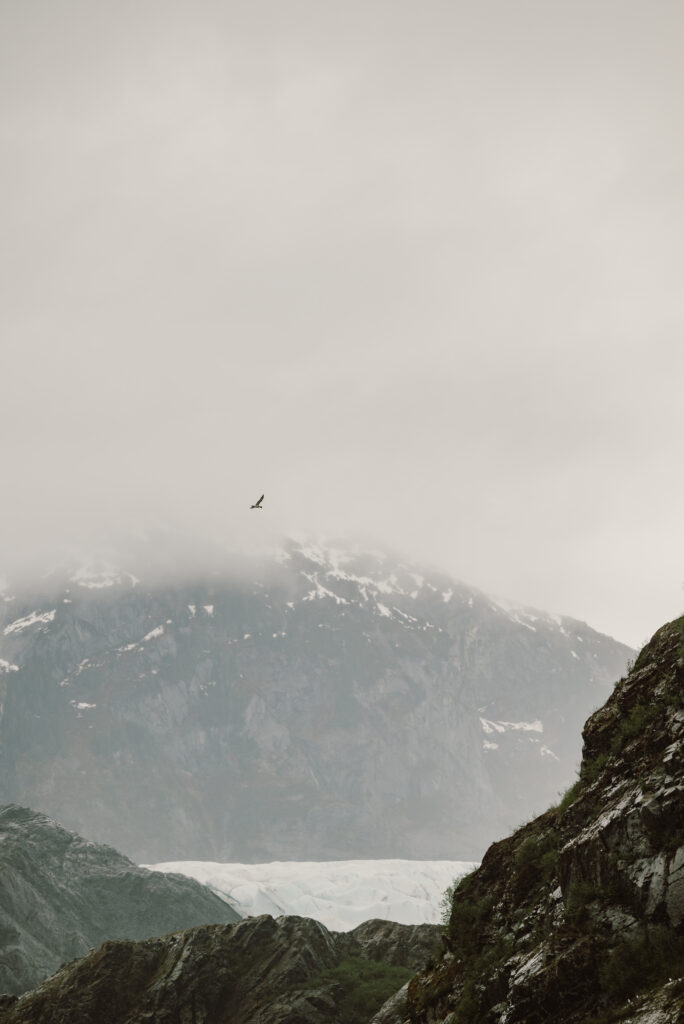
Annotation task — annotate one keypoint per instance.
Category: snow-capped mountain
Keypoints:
(339, 894)
(323, 704)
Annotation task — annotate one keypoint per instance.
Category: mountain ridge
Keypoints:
(60, 895)
(287, 969)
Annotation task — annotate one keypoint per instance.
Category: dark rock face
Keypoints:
(61, 895)
(401, 945)
(261, 969)
(327, 706)
(579, 915)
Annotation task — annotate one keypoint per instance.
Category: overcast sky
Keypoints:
(414, 269)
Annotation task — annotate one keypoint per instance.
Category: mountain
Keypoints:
(322, 704)
(579, 915)
(61, 895)
(339, 894)
(576, 917)
(286, 971)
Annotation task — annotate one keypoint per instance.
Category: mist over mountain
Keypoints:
(323, 703)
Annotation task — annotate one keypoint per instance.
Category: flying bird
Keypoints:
(258, 503)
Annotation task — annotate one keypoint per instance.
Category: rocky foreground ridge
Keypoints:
(579, 915)
(61, 895)
(288, 970)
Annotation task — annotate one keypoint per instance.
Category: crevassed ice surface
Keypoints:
(340, 894)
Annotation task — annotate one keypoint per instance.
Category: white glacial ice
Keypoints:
(96, 578)
(340, 894)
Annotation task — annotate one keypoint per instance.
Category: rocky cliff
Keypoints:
(288, 970)
(579, 915)
(326, 704)
(61, 895)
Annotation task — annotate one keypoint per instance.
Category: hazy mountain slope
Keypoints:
(579, 916)
(285, 971)
(60, 895)
(327, 705)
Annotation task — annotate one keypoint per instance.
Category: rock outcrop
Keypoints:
(288, 970)
(61, 895)
(326, 706)
(579, 915)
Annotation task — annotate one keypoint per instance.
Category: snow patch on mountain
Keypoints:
(320, 591)
(153, 634)
(29, 620)
(489, 726)
(525, 616)
(339, 894)
(98, 578)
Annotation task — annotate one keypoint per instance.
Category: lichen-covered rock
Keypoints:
(674, 895)
(579, 914)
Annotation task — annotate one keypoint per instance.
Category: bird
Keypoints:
(258, 503)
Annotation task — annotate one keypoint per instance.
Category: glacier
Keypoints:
(340, 894)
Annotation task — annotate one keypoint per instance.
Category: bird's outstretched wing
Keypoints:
(261, 499)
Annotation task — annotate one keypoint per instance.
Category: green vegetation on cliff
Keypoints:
(361, 987)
